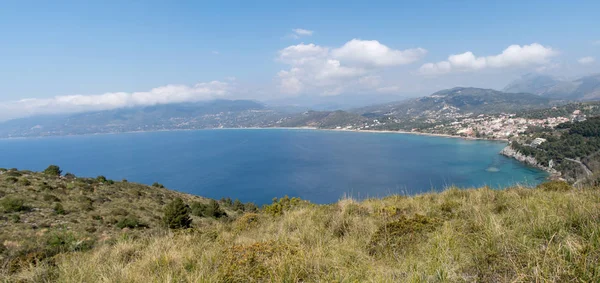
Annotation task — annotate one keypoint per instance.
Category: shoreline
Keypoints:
(266, 128)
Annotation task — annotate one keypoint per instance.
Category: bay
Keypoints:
(259, 164)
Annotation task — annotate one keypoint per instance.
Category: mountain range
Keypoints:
(582, 89)
(532, 91)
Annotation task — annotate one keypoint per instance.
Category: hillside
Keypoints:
(460, 100)
(573, 149)
(199, 115)
(584, 88)
(549, 233)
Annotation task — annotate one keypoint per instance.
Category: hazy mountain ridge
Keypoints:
(460, 100)
(584, 88)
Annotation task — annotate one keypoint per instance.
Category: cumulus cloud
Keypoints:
(79, 103)
(586, 60)
(514, 56)
(353, 66)
(373, 53)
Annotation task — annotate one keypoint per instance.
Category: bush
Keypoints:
(157, 185)
(70, 176)
(53, 170)
(250, 207)
(131, 222)
(199, 209)
(214, 210)
(50, 198)
(177, 215)
(13, 174)
(226, 201)
(24, 182)
(12, 180)
(280, 205)
(59, 209)
(238, 205)
(555, 186)
(101, 179)
(13, 205)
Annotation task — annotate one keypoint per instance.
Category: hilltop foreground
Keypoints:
(68, 229)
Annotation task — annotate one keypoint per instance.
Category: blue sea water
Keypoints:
(257, 165)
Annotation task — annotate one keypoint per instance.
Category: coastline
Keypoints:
(265, 128)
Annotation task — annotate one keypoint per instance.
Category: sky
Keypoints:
(71, 56)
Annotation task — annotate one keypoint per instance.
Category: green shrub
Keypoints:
(101, 179)
(226, 201)
(250, 207)
(13, 174)
(13, 205)
(24, 182)
(12, 180)
(70, 176)
(59, 209)
(50, 198)
(157, 185)
(555, 186)
(177, 215)
(199, 209)
(214, 210)
(238, 205)
(15, 218)
(130, 222)
(279, 206)
(53, 170)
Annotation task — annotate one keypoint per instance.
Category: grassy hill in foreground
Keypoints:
(549, 233)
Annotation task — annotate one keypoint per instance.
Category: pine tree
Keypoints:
(177, 215)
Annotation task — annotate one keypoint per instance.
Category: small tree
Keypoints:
(53, 170)
(177, 215)
(214, 209)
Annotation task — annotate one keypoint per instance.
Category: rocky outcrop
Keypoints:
(529, 160)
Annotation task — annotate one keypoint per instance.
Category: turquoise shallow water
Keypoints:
(257, 165)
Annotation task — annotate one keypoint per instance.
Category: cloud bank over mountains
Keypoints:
(79, 103)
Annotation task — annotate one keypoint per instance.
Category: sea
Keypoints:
(257, 165)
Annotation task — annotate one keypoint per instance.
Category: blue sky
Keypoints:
(235, 49)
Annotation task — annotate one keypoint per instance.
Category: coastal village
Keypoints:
(485, 126)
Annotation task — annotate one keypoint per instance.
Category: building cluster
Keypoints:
(500, 126)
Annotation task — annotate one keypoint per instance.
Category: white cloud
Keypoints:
(586, 60)
(514, 56)
(353, 67)
(299, 32)
(372, 53)
(79, 103)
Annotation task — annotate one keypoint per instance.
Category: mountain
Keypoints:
(459, 100)
(210, 114)
(584, 88)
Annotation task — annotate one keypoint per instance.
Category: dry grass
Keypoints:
(517, 234)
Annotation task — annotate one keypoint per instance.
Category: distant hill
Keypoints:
(324, 119)
(584, 88)
(459, 100)
(211, 114)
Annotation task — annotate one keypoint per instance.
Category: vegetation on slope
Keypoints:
(550, 233)
(573, 147)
